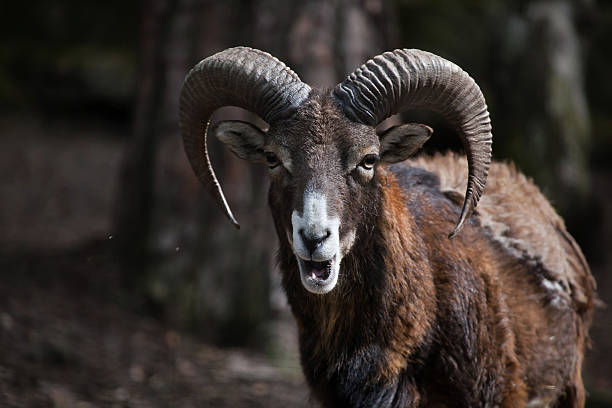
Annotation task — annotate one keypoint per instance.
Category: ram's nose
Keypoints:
(313, 241)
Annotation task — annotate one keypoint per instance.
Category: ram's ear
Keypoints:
(400, 142)
(243, 139)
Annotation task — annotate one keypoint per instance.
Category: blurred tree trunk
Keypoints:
(176, 248)
(365, 29)
(133, 204)
(547, 117)
(326, 39)
(312, 42)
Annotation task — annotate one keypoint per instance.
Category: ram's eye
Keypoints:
(369, 161)
(272, 160)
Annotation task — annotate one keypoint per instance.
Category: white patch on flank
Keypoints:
(557, 291)
(552, 285)
(546, 399)
(536, 403)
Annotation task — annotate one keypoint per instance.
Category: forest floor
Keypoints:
(65, 344)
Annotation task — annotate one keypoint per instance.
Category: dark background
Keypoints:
(122, 284)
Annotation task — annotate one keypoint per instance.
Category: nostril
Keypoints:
(312, 242)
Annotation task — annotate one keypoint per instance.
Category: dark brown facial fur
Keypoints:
(326, 149)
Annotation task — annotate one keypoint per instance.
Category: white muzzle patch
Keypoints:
(316, 244)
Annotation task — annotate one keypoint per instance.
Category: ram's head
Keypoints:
(322, 147)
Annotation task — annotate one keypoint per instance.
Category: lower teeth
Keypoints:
(319, 270)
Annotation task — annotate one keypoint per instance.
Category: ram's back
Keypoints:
(515, 214)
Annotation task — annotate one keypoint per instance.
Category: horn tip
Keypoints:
(455, 231)
(465, 212)
(233, 221)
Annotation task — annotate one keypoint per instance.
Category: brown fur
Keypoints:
(428, 283)
(497, 316)
(518, 216)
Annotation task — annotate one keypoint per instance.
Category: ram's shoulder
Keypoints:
(413, 176)
(514, 213)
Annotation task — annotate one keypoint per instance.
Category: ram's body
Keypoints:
(392, 312)
(427, 321)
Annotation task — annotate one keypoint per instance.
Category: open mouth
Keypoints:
(319, 276)
(318, 270)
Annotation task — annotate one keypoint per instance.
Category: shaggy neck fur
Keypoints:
(344, 335)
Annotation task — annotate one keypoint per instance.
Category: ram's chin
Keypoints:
(319, 277)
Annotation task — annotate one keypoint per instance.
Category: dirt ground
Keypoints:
(64, 345)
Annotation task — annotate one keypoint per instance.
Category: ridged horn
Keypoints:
(244, 77)
(400, 80)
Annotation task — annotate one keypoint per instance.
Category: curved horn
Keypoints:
(240, 76)
(407, 79)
